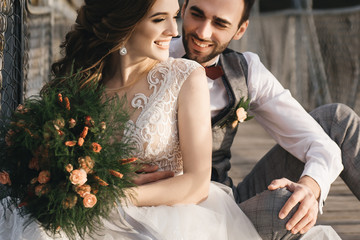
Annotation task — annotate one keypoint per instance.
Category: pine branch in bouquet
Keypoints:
(67, 159)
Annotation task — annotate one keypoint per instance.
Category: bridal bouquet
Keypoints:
(65, 159)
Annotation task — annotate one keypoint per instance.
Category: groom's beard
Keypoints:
(217, 49)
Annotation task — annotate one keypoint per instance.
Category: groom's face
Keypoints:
(209, 26)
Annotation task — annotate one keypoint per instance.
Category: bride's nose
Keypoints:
(172, 29)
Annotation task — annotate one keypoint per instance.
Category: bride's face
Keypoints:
(153, 34)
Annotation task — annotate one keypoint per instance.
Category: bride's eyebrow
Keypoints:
(159, 14)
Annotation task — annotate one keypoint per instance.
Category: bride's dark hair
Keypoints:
(101, 28)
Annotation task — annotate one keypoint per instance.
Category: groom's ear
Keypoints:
(241, 31)
(183, 9)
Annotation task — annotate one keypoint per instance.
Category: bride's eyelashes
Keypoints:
(163, 18)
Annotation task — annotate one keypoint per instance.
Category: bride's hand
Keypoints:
(148, 173)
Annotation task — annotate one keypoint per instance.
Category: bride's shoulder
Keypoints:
(183, 64)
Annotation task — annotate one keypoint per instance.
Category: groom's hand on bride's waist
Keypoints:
(148, 173)
(306, 192)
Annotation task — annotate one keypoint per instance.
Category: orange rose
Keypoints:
(88, 121)
(89, 200)
(96, 147)
(241, 114)
(100, 181)
(70, 143)
(84, 132)
(116, 174)
(67, 103)
(44, 177)
(80, 142)
(128, 160)
(60, 97)
(78, 177)
(83, 190)
(69, 167)
(5, 178)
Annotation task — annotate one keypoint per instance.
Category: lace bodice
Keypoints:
(155, 131)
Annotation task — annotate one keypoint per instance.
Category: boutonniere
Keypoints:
(238, 114)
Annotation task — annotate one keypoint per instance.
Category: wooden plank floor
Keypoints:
(342, 209)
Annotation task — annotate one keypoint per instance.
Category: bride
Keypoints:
(127, 42)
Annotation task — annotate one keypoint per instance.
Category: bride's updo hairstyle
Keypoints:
(101, 28)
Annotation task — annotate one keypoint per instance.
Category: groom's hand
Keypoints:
(306, 192)
(148, 173)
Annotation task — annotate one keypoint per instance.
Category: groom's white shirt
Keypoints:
(284, 119)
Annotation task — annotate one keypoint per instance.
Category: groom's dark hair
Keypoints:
(248, 4)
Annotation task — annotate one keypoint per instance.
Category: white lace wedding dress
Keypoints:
(156, 136)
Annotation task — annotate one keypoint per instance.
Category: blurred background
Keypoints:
(311, 46)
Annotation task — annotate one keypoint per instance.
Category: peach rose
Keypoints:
(86, 163)
(96, 147)
(78, 177)
(8, 136)
(5, 178)
(89, 162)
(72, 123)
(234, 123)
(89, 200)
(69, 167)
(80, 141)
(59, 123)
(44, 177)
(103, 126)
(34, 163)
(241, 114)
(34, 180)
(69, 202)
(41, 190)
(83, 190)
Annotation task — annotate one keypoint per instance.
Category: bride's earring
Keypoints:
(123, 51)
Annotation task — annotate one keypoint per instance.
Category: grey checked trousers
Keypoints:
(262, 206)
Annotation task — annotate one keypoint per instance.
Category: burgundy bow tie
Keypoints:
(214, 72)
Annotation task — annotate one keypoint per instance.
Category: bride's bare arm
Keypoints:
(194, 124)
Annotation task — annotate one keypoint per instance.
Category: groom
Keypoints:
(307, 159)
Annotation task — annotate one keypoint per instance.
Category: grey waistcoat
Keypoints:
(235, 81)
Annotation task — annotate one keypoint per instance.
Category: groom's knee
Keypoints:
(263, 211)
